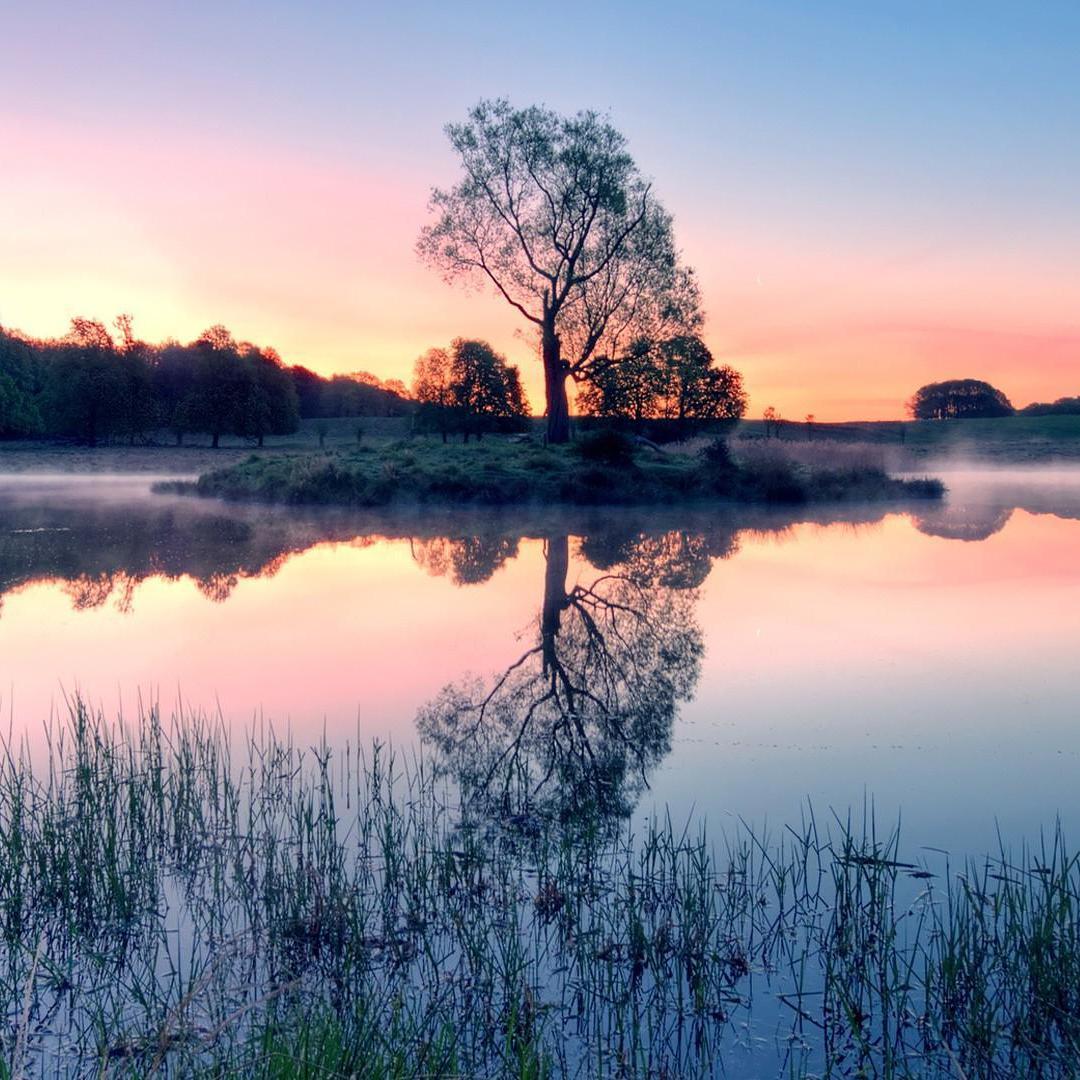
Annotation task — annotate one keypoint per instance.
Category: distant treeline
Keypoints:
(1064, 406)
(973, 399)
(97, 385)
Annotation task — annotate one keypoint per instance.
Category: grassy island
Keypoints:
(602, 468)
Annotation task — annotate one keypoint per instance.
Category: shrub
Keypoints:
(717, 467)
(607, 446)
(772, 478)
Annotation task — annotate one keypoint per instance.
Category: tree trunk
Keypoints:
(555, 372)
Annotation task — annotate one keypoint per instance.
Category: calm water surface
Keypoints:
(924, 660)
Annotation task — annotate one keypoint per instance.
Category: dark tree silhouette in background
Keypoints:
(20, 388)
(1063, 406)
(573, 727)
(239, 389)
(173, 378)
(555, 216)
(957, 399)
(223, 387)
(97, 385)
(82, 396)
(432, 393)
(676, 380)
(359, 394)
(468, 388)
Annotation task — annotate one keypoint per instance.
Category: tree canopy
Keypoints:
(676, 380)
(97, 384)
(19, 388)
(468, 388)
(553, 214)
(956, 399)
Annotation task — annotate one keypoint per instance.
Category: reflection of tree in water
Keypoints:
(576, 723)
(98, 554)
(467, 560)
(676, 559)
(963, 522)
(91, 591)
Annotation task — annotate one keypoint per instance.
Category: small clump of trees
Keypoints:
(468, 389)
(958, 399)
(98, 384)
(773, 422)
(675, 380)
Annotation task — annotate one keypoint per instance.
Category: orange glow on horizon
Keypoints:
(315, 257)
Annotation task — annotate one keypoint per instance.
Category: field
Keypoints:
(160, 456)
(1013, 439)
(911, 445)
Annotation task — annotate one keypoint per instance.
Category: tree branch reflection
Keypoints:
(574, 725)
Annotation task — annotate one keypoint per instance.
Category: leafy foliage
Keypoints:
(1063, 406)
(676, 379)
(469, 389)
(19, 378)
(98, 385)
(607, 446)
(959, 399)
(554, 215)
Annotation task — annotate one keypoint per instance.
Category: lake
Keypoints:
(923, 661)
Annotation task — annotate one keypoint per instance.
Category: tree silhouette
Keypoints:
(485, 389)
(468, 388)
(20, 376)
(675, 380)
(956, 399)
(553, 214)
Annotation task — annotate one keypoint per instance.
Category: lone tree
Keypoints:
(553, 213)
(957, 399)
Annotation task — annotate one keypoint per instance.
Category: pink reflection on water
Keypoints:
(928, 657)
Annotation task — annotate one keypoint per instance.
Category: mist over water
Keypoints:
(923, 659)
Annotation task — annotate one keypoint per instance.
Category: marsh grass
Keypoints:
(174, 901)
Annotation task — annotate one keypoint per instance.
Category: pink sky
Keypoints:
(312, 252)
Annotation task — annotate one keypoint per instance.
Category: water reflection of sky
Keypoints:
(927, 661)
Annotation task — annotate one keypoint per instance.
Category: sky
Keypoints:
(874, 195)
